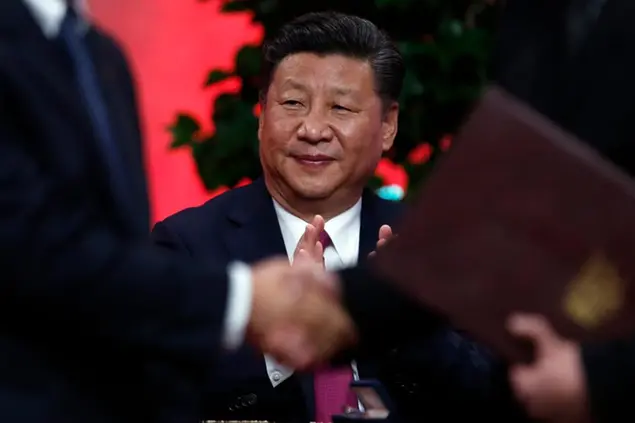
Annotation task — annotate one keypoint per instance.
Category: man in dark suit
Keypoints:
(98, 324)
(329, 110)
(572, 60)
(242, 225)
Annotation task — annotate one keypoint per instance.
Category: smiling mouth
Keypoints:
(313, 161)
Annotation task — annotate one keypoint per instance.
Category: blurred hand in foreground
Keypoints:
(553, 387)
(296, 313)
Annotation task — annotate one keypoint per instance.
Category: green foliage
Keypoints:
(445, 44)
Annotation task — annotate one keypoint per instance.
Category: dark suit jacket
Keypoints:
(96, 323)
(423, 374)
(450, 377)
(591, 93)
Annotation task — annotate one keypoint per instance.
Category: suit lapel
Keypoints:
(255, 233)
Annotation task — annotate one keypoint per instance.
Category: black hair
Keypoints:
(325, 33)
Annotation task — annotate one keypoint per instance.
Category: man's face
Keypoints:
(323, 128)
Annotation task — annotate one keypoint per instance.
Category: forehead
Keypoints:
(328, 72)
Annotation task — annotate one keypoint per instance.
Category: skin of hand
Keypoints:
(296, 313)
(385, 233)
(553, 387)
(310, 241)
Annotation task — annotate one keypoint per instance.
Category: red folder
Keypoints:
(520, 216)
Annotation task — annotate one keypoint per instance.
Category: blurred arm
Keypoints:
(240, 289)
(63, 262)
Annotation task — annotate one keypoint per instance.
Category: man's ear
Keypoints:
(390, 125)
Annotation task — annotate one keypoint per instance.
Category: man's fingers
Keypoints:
(319, 253)
(310, 236)
(534, 328)
(302, 257)
(309, 243)
(307, 273)
(379, 244)
(523, 381)
(526, 384)
(319, 250)
(304, 241)
(519, 379)
(385, 232)
(318, 224)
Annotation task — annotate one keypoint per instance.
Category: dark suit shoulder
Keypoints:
(117, 56)
(203, 225)
(107, 41)
(210, 211)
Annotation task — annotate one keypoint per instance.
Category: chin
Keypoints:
(314, 195)
(313, 192)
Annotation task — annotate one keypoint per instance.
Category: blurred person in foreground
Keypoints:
(98, 324)
(330, 109)
(573, 61)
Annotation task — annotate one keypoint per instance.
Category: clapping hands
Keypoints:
(385, 234)
(309, 247)
(297, 315)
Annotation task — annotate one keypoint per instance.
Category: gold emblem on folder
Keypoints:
(595, 294)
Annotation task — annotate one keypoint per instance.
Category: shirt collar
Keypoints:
(49, 14)
(340, 228)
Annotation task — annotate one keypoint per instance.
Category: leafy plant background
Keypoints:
(445, 44)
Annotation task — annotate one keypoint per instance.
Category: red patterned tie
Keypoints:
(325, 239)
(332, 386)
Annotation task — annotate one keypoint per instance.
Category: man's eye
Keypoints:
(292, 103)
(341, 108)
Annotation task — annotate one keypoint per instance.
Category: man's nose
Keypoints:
(314, 129)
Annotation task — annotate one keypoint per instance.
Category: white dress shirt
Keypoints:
(344, 232)
(49, 15)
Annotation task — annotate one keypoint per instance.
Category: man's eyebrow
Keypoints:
(342, 90)
(294, 84)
